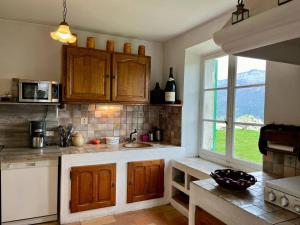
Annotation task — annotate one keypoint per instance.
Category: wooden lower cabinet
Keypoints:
(204, 218)
(92, 187)
(145, 180)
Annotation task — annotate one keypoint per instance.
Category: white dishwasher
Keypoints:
(29, 191)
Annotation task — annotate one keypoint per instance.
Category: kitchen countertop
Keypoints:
(252, 200)
(21, 154)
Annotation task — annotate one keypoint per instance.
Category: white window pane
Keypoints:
(214, 137)
(215, 105)
(216, 73)
(250, 71)
(250, 104)
(246, 143)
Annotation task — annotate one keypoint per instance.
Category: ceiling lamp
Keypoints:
(241, 13)
(63, 33)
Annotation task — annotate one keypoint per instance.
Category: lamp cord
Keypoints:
(65, 10)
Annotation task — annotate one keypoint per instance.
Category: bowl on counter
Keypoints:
(112, 140)
(233, 179)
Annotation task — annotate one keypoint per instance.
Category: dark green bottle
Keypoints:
(170, 90)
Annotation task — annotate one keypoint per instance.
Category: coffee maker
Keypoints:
(38, 134)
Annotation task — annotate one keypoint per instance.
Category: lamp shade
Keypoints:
(63, 34)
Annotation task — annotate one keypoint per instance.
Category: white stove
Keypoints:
(284, 193)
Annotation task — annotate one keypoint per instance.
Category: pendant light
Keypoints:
(63, 33)
(241, 13)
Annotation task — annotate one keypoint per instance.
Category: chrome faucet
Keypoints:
(131, 138)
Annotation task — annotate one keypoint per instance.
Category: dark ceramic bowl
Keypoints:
(232, 179)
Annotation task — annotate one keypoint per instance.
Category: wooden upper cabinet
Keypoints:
(130, 78)
(92, 187)
(204, 218)
(145, 180)
(86, 75)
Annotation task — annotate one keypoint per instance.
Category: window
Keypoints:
(233, 108)
(215, 104)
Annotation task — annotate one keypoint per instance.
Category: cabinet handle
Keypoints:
(113, 77)
(107, 76)
(113, 185)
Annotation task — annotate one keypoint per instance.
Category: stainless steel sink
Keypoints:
(136, 145)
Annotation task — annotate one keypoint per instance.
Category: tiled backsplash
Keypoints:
(102, 121)
(14, 123)
(282, 165)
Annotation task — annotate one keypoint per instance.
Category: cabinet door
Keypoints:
(92, 187)
(204, 218)
(130, 78)
(145, 180)
(87, 75)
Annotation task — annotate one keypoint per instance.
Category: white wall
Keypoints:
(187, 81)
(191, 109)
(27, 51)
(282, 94)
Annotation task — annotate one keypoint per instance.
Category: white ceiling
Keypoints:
(157, 20)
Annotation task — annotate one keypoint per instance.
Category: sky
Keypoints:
(243, 65)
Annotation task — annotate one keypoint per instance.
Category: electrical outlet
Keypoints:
(84, 121)
(49, 133)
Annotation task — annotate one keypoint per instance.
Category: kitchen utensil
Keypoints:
(77, 140)
(141, 51)
(38, 141)
(151, 136)
(157, 95)
(65, 135)
(127, 48)
(232, 179)
(91, 42)
(38, 134)
(112, 140)
(158, 134)
(145, 138)
(110, 46)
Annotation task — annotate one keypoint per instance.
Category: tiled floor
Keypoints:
(163, 215)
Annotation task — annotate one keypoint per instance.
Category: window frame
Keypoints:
(228, 159)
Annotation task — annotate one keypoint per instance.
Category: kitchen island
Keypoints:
(237, 207)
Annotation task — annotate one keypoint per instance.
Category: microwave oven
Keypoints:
(38, 91)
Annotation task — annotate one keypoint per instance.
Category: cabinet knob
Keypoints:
(297, 208)
(284, 202)
(272, 196)
(113, 185)
(113, 77)
(107, 76)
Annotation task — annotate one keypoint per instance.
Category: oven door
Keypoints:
(34, 91)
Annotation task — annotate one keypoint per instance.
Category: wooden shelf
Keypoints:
(30, 103)
(167, 105)
(184, 211)
(180, 187)
(182, 199)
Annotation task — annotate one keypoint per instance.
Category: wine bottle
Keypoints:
(170, 90)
